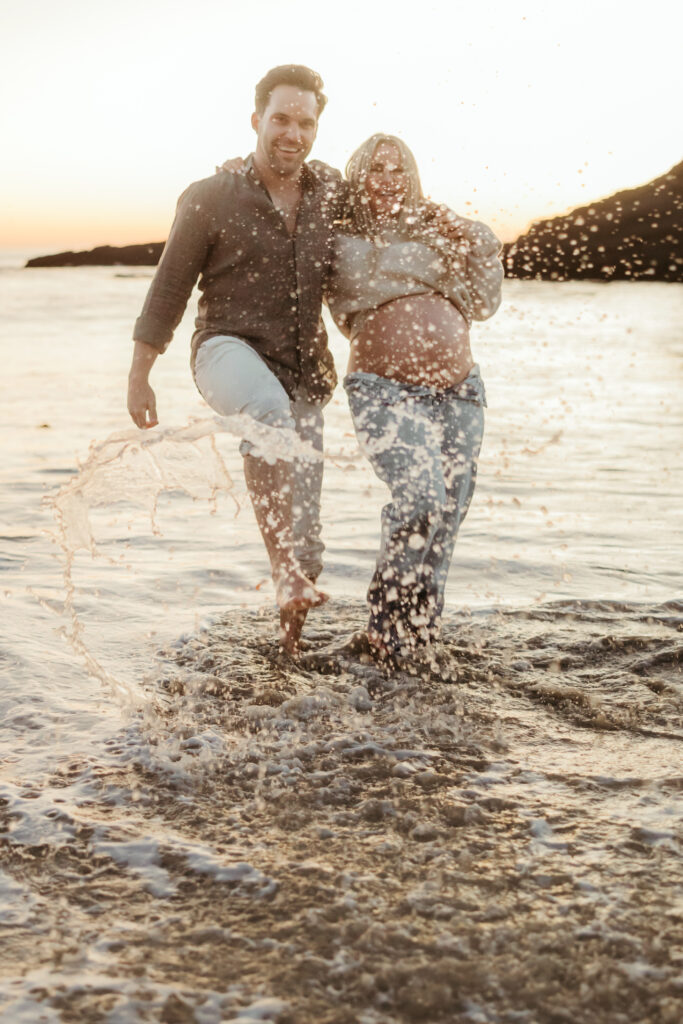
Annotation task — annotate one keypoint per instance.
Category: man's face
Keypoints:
(286, 130)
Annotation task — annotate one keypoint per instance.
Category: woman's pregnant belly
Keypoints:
(418, 339)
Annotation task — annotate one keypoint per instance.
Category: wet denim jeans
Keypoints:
(424, 443)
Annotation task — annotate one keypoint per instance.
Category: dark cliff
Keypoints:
(146, 255)
(633, 235)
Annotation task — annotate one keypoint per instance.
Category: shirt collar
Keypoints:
(309, 178)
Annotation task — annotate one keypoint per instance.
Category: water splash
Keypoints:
(135, 468)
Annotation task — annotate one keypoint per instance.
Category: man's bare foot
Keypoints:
(294, 592)
(291, 626)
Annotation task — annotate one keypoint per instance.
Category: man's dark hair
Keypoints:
(289, 74)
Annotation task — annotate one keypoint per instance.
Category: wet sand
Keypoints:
(497, 839)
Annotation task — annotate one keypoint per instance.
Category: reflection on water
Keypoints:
(190, 831)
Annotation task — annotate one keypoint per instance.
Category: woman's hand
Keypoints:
(233, 166)
(448, 224)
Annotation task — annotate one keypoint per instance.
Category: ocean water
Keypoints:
(191, 832)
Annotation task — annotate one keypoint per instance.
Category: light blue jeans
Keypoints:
(424, 444)
(232, 378)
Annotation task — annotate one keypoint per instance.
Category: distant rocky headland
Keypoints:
(632, 235)
(146, 255)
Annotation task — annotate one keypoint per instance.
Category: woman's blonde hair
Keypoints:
(357, 169)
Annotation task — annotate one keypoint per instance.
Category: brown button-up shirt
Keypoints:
(257, 281)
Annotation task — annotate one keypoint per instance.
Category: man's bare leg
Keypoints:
(270, 489)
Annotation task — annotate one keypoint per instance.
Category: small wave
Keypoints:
(343, 840)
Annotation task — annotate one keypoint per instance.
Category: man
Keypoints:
(260, 243)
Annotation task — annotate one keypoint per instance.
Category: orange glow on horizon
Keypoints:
(75, 229)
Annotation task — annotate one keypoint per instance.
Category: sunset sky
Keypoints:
(515, 110)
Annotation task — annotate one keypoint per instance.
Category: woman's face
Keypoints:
(386, 183)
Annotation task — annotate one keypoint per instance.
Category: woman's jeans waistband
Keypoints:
(470, 389)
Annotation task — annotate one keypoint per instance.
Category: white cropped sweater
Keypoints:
(367, 273)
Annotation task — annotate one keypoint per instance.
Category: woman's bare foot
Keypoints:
(352, 648)
(378, 649)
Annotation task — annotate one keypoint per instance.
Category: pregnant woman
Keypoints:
(408, 279)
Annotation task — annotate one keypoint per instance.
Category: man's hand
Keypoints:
(234, 166)
(142, 403)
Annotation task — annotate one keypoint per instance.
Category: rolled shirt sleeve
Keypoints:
(181, 263)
